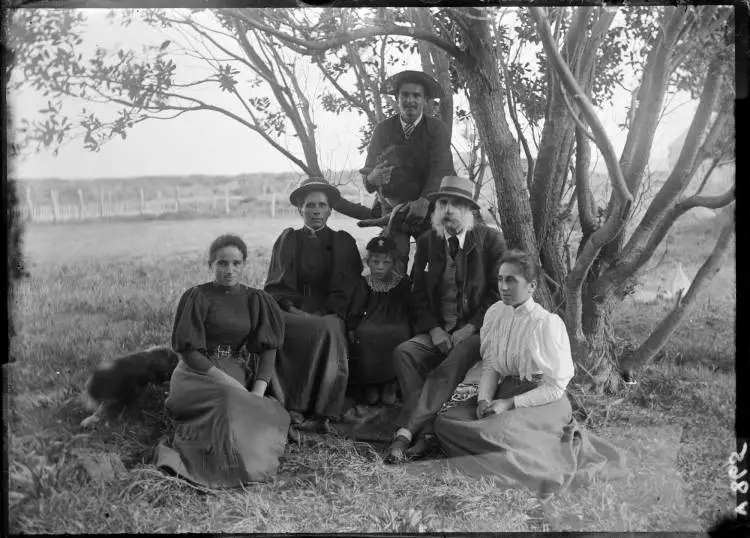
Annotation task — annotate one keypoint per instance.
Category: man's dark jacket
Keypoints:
(429, 157)
(483, 247)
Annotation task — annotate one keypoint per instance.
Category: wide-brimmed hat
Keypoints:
(381, 245)
(455, 187)
(312, 184)
(432, 89)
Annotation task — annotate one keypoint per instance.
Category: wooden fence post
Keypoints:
(177, 200)
(214, 202)
(30, 203)
(273, 205)
(55, 208)
(80, 204)
(143, 202)
(101, 201)
(226, 200)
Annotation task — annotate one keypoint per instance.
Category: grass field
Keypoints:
(98, 290)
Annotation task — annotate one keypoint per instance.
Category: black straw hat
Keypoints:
(313, 184)
(432, 89)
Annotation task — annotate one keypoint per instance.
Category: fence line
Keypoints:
(104, 207)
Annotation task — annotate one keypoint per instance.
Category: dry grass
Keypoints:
(101, 290)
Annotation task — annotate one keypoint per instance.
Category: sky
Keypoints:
(207, 143)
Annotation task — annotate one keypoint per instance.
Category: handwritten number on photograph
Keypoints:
(739, 487)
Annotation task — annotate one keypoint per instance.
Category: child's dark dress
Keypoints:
(381, 320)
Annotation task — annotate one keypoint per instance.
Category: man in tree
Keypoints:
(408, 155)
(455, 282)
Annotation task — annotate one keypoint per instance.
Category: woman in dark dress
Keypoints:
(227, 335)
(379, 319)
(312, 275)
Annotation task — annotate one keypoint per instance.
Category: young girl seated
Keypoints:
(378, 320)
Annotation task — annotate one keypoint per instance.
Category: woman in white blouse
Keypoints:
(520, 428)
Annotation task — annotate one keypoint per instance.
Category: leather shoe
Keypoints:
(315, 425)
(397, 450)
(422, 444)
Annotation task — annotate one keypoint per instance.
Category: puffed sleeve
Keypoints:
(189, 330)
(268, 323)
(549, 349)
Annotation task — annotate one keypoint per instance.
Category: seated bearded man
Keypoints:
(455, 281)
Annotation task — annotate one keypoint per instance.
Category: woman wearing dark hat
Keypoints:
(312, 275)
(379, 319)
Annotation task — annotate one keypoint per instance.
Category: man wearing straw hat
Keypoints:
(424, 156)
(455, 280)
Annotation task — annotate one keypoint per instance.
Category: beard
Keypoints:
(461, 221)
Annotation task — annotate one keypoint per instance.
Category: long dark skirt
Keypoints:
(541, 447)
(372, 358)
(311, 368)
(224, 436)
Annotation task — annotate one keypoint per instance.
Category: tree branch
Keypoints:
(711, 168)
(514, 118)
(650, 97)
(570, 83)
(198, 28)
(711, 202)
(683, 170)
(345, 94)
(307, 47)
(664, 330)
(586, 206)
(580, 125)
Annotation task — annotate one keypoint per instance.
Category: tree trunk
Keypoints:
(435, 62)
(557, 143)
(485, 89)
(594, 350)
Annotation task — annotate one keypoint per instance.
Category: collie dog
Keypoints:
(119, 381)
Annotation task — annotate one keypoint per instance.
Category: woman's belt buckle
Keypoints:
(225, 352)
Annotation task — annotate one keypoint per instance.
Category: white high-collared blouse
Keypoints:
(524, 341)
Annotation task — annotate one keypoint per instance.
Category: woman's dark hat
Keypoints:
(381, 245)
(312, 184)
(455, 187)
(432, 89)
